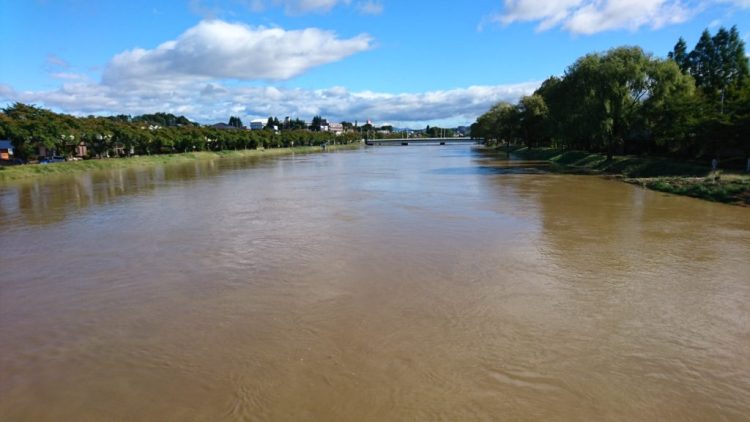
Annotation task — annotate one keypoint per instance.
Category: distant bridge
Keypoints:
(423, 141)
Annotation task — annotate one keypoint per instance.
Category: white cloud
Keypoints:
(215, 49)
(370, 7)
(212, 101)
(69, 76)
(213, 8)
(592, 16)
(745, 4)
(295, 7)
(550, 13)
(57, 62)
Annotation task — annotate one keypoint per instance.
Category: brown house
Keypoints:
(6, 150)
(81, 150)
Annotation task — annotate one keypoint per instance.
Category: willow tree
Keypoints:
(614, 85)
(669, 110)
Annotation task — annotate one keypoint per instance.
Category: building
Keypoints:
(80, 150)
(258, 124)
(6, 150)
(336, 128)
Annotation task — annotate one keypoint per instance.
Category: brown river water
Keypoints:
(379, 284)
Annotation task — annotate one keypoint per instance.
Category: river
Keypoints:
(385, 283)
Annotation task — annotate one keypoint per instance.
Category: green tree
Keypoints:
(534, 116)
(680, 55)
(669, 111)
(719, 64)
(235, 121)
(617, 82)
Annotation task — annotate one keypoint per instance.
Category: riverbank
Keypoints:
(29, 171)
(659, 174)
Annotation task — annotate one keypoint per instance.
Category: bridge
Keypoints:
(423, 141)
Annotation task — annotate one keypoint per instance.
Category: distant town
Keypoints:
(30, 134)
(321, 124)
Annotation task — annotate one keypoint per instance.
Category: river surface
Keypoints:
(386, 283)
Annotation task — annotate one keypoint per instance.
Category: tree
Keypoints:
(680, 55)
(164, 120)
(235, 121)
(297, 124)
(316, 123)
(719, 64)
(669, 111)
(534, 116)
(617, 82)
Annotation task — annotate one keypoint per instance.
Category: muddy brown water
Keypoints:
(387, 283)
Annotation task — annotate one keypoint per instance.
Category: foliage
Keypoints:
(691, 105)
(235, 121)
(163, 119)
(12, 173)
(30, 128)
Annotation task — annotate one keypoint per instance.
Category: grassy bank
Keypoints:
(660, 174)
(27, 171)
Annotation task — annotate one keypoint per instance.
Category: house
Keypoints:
(336, 128)
(81, 150)
(258, 124)
(6, 150)
(71, 148)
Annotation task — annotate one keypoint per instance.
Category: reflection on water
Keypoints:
(377, 284)
(54, 199)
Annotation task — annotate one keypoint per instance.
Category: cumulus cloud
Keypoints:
(592, 16)
(215, 49)
(214, 101)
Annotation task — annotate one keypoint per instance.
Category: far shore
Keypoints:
(31, 171)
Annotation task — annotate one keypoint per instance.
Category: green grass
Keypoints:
(734, 189)
(27, 171)
(626, 165)
(656, 173)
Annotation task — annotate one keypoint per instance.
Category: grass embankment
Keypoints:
(27, 171)
(660, 174)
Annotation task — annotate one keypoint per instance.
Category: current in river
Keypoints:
(383, 283)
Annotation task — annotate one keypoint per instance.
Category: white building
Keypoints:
(258, 124)
(336, 128)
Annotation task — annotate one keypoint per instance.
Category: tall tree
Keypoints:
(719, 64)
(680, 55)
(702, 61)
(534, 116)
(235, 121)
(617, 82)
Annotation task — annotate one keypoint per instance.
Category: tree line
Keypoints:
(29, 127)
(692, 104)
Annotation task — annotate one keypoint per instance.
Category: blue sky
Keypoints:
(407, 63)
